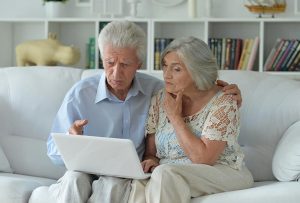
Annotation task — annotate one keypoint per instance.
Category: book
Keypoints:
(253, 54)
(92, 50)
(243, 54)
(157, 54)
(102, 24)
(273, 54)
(223, 57)
(280, 54)
(219, 52)
(296, 63)
(238, 52)
(227, 54)
(232, 54)
(247, 54)
(210, 44)
(290, 49)
(294, 55)
(215, 49)
(159, 46)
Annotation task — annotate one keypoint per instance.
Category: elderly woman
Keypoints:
(192, 131)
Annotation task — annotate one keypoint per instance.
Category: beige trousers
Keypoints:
(77, 187)
(178, 183)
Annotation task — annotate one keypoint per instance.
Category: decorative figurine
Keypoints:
(48, 52)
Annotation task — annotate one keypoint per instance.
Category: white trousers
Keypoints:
(77, 187)
(178, 183)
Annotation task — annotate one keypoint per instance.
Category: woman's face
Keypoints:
(176, 76)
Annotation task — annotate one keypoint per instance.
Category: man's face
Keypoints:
(120, 66)
(176, 76)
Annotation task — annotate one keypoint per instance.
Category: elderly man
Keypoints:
(114, 103)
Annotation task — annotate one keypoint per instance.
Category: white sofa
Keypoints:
(270, 133)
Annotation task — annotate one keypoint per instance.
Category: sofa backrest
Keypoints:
(268, 110)
(30, 98)
(270, 107)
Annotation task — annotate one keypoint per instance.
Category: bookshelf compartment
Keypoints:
(287, 30)
(175, 29)
(241, 30)
(165, 31)
(6, 40)
(145, 25)
(75, 33)
(232, 32)
(13, 33)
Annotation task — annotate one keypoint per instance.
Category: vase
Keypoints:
(54, 9)
(192, 8)
(208, 8)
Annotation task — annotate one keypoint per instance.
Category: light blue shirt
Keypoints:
(107, 115)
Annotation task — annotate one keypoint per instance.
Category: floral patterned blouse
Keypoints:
(218, 120)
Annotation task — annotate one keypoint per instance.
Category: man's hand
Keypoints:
(77, 127)
(231, 89)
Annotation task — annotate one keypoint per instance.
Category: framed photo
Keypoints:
(297, 7)
(84, 3)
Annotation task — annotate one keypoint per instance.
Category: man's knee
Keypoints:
(74, 177)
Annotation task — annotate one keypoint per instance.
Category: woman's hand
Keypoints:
(232, 89)
(173, 104)
(149, 165)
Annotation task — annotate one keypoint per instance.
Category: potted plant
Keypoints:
(54, 8)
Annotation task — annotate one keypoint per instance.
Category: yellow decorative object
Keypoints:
(266, 7)
(46, 52)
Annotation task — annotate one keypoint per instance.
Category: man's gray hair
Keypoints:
(122, 34)
(198, 59)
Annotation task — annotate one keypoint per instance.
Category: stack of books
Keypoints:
(234, 54)
(102, 24)
(159, 45)
(284, 56)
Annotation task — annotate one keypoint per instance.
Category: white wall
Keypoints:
(221, 8)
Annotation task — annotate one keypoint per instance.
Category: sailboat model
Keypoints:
(266, 6)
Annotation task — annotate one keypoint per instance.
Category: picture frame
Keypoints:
(107, 8)
(84, 3)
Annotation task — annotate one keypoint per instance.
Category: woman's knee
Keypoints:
(163, 172)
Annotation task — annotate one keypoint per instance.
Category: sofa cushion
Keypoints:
(4, 164)
(286, 160)
(41, 194)
(261, 192)
(29, 99)
(18, 188)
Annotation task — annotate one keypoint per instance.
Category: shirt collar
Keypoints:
(103, 92)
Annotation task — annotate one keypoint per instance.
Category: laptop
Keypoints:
(100, 155)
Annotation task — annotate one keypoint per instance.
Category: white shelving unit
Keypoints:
(77, 31)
